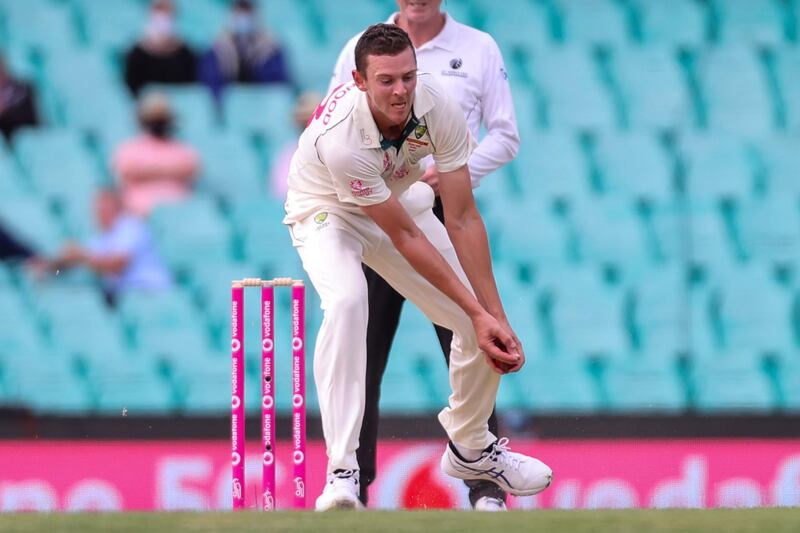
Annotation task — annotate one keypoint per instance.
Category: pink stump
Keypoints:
(237, 395)
(299, 395)
(268, 397)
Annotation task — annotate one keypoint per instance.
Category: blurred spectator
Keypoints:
(245, 53)
(160, 56)
(154, 168)
(304, 107)
(17, 103)
(123, 253)
(11, 247)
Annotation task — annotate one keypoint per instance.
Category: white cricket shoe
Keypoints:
(340, 492)
(490, 505)
(515, 473)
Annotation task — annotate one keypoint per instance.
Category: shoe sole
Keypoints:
(451, 470)
(342, 505)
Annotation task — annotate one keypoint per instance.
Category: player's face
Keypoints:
(390, 84)
(419, 11)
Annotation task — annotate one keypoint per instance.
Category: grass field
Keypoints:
(633, 521)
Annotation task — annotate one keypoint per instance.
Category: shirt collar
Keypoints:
(368, 130)
(446, 39)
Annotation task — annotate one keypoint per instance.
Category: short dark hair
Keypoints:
(381, 40)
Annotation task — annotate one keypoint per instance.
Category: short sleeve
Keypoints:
(452, 142)
(355, 178)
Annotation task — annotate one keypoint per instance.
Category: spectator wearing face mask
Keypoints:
(154, 168)
(160, 56)
(244, 53)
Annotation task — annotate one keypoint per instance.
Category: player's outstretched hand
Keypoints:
(503, 351)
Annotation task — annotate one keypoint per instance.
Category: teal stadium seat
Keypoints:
(611, 232)
(46, 382)
(204, 383)
(150, 309)
(135, 388)
(20, 334)
(112, 26)
(265, 240)
(267, 110)
(635, 166)
(650, 383)
(586, 316)
(33, 222)
(526, 232)
(417, 345)
(20, 60)
(780, 159)
(769, 228)
(672, 22)
(341, 23)
(756, 22)
(210, 283)
(594, 22)
(525, 27)
(729, 383)
(109, 108)
(719, 167)
(735, 90)
(789, 379)
(570, 83)
(753, 311)
(201, 21)
(39, 24)
(559, 385)
(77, 319)
(12, 183)
(230, 166)
(191, 229)
(691, 233)
(651, 85)
(292, 22)
(58, 163)
(552, 167)
(193, 105)
(787, 74)
(660, 302)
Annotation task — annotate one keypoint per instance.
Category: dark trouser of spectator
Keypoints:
(11, 248)
(385, 306)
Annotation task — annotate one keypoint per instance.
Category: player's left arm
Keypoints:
(501, 142)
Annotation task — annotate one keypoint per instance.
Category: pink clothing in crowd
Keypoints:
(279, 172)
(152, 171)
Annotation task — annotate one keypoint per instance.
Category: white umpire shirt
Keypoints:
(468, 63)
(342, 163)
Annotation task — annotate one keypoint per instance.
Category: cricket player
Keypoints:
(354, 197)
(468, 63)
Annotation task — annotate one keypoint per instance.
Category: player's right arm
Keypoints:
(415, 247)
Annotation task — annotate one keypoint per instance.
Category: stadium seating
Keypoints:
(645, 239)
(671, 22)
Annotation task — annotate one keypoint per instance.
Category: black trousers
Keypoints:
(385, 306)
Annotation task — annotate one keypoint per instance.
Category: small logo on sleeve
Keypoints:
(358, 188)
(319, 218)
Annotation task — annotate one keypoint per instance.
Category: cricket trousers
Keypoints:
(332, 247)
(385, 307)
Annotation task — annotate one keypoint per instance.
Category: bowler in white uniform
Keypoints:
(467, 62)
(353, 197)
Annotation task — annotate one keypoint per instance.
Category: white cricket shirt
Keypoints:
(468, 63)
(341, 165)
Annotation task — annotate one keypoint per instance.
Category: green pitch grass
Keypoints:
(638, 521)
